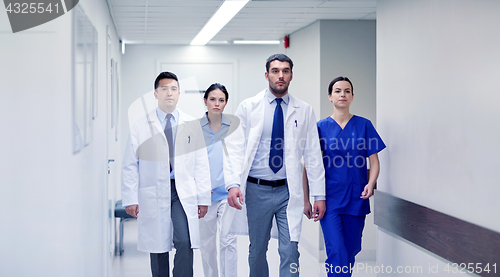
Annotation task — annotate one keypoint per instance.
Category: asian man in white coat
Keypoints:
(263, 168)
(166, 181)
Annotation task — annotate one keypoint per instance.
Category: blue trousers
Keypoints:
(264, 203)
(342, 240)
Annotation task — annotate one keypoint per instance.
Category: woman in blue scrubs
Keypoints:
(215, 126)
(346, 141)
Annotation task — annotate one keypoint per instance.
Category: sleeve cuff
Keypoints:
(232, 186)
(319, 198)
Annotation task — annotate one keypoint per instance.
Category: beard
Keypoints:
(277, 90)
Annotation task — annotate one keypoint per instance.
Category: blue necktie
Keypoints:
(170, 140)
(277, 139)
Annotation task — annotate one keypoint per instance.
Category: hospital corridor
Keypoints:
(383, 115)
(134, 263)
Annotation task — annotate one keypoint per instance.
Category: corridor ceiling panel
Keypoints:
(178, 22)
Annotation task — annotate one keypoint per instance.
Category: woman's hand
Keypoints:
(319, 209)
(367, 192)
(308, 209)
(374, 170)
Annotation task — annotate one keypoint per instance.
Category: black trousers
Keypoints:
(183, 260)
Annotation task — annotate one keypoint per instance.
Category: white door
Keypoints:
(113, 168)
(196, 77)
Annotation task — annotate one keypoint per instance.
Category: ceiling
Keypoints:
(178, 21)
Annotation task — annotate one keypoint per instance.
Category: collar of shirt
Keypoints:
(162, 116)
(204, 120)
(270, 97)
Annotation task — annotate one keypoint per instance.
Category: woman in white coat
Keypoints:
(215, 126)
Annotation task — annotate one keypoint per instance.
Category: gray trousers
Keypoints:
(183, 260)
(264, 203)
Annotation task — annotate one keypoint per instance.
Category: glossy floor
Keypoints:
(136, 264)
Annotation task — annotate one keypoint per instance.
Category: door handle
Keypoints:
(110, 161)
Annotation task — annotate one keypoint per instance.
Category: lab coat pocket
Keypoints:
(298, 134)
(298, 126)
(147, 202)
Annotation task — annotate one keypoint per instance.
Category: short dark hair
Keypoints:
(279, 57)
(166, 75)
(340, 78)
(214, 87)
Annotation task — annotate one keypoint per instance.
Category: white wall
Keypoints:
(348, 49)
(139, 69)
(437, 110)
(53, 207)
(305, 53)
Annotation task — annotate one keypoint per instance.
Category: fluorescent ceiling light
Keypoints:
(218, 42)
(224, 14)
(256, 42)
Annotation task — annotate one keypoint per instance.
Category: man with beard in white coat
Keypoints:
(263, 166)
(166, 181)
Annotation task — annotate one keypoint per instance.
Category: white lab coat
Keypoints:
(301, 144)
(146, 179)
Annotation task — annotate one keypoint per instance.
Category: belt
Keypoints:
(276, 183)
(172, 180)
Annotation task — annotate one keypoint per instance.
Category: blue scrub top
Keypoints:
(344, 157)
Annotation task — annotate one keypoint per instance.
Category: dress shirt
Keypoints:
(162, 116)
(214, 151)
(260, 167)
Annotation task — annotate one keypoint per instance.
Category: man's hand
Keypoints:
(232, 198)
(202, 211)
(319, 209)
(132, 210)
(308, 210)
